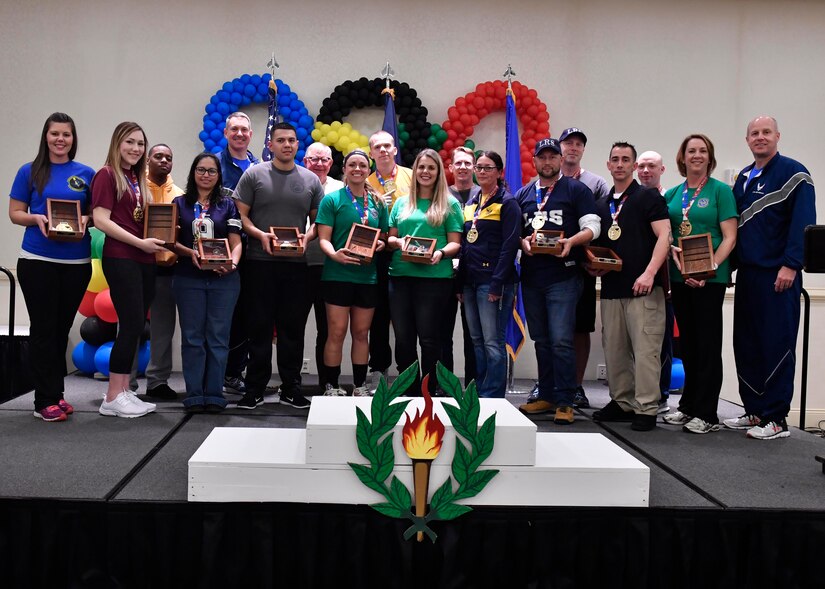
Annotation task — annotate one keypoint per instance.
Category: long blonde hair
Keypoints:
(114, 160)
(439, 205)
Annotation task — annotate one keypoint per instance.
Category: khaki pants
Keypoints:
(632, 332)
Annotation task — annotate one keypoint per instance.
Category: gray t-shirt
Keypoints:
(595, 183)
(279, 199)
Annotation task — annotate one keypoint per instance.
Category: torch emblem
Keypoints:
(423, 435)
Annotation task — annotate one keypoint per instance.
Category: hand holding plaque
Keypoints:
(546, 242)
(64, 220)
(418, 250)
(286, 242)
(362, 242)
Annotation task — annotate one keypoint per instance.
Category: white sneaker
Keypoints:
(770, 431)
(122, 406)
(677, 418)
(744, 422)
(374, 379)
(333, 392)
(663, 407)
(700, 426)
(138, 401)
(362, 392)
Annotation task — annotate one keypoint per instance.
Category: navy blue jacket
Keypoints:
(231, 171)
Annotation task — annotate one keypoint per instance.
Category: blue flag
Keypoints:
(272, 118)
(515, 333)
(390, 123)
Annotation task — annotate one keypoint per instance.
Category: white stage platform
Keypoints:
(310, 466)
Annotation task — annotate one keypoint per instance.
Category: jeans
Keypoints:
(205, 308)
(487, 323)
(416, 308)
(448, 326)
(551, 321)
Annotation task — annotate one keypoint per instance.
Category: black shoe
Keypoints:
(297, 400)
(643, 423)
(194, 408)
(534, 393)
(580, 399)
(612, 412)
(162, 392)
(214, 408)
(250, 401)
(234, 385)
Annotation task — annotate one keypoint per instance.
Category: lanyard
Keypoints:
(686, 205)
(363, 211)
(482, 204)
(543, 197)
(133, 182)
(614, 212)
(381, 178)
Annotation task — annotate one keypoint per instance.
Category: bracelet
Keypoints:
(443, 253)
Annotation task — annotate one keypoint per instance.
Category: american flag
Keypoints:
(272, 118)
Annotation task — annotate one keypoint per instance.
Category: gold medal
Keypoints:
(615, 232)
(389, 186)
(472, 235)
(685, 228)
(138, 214)
(537, 222)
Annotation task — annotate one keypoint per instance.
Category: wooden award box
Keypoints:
(696, 257)
(286, 242)
(214, 253)
(419, 250)
(546, 242)
(64, 219)
(362, 242)
(603, 258)
(160, 220)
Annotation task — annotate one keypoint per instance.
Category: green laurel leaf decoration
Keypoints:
(452, 511)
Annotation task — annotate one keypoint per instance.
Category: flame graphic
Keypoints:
(425, 433)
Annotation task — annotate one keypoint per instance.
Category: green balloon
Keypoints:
(98, 237)
(435, 128)
(478, 153)
(470, 144)
(432, 143)
(404, 136)
(442, 135)
(401, 127)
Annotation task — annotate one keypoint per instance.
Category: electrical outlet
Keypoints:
(305, 366)
(601, 372)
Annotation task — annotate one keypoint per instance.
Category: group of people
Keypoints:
(229, 315)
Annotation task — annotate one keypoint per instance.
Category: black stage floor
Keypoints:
(98, 501)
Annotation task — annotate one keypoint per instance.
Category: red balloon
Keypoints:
(461, 101)
(532, 93)
(500, 92)
(104, 308)
(444, 154)
(530, 143)
(526, 103)
(465, 120)
(481, 90)
(449, 145)
(87, 305)
(452, 134)
(543, 128)
(458, 127)
(447, 125)
(490, 104)
(532, 124)
(482, 113)
(462, 110)
(474, 120)
(452, 113)
(478, 102)
(543, 116)
(533, 110)
(468, 130)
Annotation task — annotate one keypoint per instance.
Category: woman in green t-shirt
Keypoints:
(349, 286)
(700, 205)
(419, 291)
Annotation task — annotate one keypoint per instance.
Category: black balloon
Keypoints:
(97, 332)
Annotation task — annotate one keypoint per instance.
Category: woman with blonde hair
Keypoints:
(119, 199)
(419, 291)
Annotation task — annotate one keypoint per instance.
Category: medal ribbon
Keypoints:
(363, 211)
(481, 205)
(133, 182)
(686, 205)
(381, 178)
(543, 197)
(614, 212)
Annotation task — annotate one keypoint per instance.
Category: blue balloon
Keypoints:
(209, 144)
(143, 357)
(263, 89)
(83, 357)
(299, 155)
(223, 108)
(237, 86)
(249, 90)
(215, 149)
(246, 100)
(285, 112)
(283, 99)
(258, 98)
(294, 116)
(292, 96)
(677, 375)
(216, 117)
(215, 135)
(255, 79)
(214, 99)
(305, 120)
(203, 136)
(222, 143)
(293, 105)
(284, 88)
(227, 87)
(302, 133)
(236, 98)
(210, 108)
(221, 126)
(102, 358)
(304, 111)
(245, 78)
(224, 96)
(209, 125)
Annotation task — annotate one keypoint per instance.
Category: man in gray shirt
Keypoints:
(281, 194)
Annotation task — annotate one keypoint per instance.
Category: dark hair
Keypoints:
(42, 165)
(155, 146)
(680, 155)
(191, 195)
(282, 126)
(499, 163)
(623, 145)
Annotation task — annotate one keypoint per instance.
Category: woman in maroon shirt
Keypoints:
(119, 198)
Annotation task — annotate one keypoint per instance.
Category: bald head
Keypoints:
(763, 139)
(650, 169)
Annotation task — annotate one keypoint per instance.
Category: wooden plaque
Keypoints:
(696, 257)
(419, 250)
(362, 242)
(160, 220)
(64, 219)
(214, 253)
(603, 258)
(546, 242)
(286, 242)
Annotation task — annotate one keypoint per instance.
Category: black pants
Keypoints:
(315, 300)
(274, 294)
(699, 315)
(448, 326)
(132, 286)
(380, 350)
(53, 292)
(238, 341)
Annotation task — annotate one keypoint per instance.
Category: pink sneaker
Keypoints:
(51, 413)
(65, 407)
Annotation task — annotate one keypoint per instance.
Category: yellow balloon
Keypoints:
(335, 125)
(324, 129)
(316, 134)
(342, 144)
(346, 127)
(318, 124)
(332, 138)
(97, 282)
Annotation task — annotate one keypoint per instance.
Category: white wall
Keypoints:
(645, 72)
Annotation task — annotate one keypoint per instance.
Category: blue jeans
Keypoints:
(487, 323)
(205, 308)
(551, 321)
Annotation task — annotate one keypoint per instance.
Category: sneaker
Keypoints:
(643, 423)
(250, 401)
(663, 407)
(613, 412)
(51, 413)
(140, 402)
(331, 391)
(744, 422)
(374, 379)
(534, 393)
(677, 418)
(770, 431)
(580, 399)
(564, 416)
(297, 400)
(163, 392)
(65, 407)
(700, 426)
(537, 407)
(123, 406)
(234, 385)
(362, 392)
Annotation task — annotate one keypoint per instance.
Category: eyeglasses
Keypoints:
(319, 160)
(463, 165)
(485, 168)
(206, 171)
